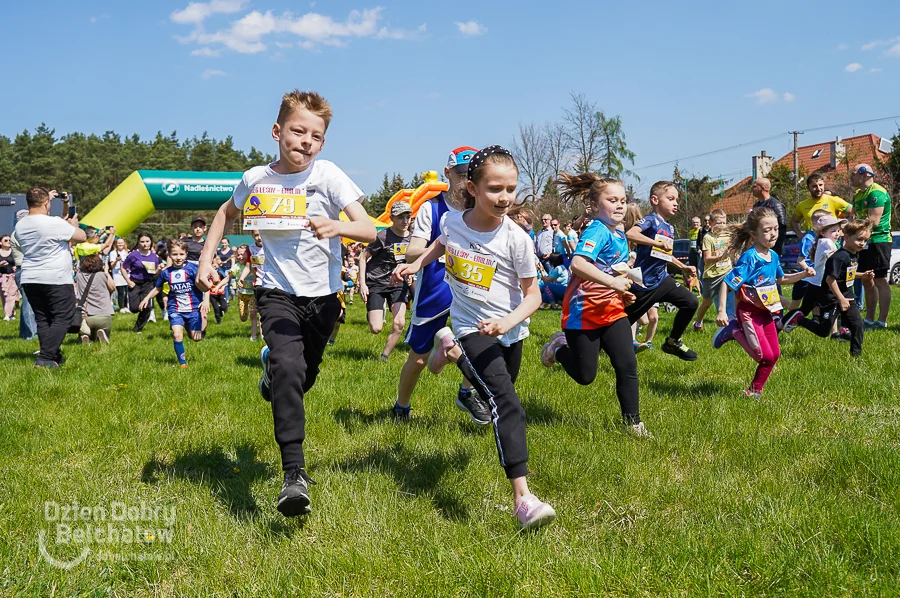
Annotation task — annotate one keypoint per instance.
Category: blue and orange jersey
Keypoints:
(184, 296)
(586, 304)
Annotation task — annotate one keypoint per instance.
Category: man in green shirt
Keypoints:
(871, 201)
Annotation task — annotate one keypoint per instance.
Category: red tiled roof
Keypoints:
(737, 199)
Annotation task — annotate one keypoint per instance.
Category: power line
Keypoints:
(740, 145)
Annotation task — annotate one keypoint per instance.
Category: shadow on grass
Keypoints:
(417, 474)
(539, 413)
(354, 353)
(20, 355)
(228, 479)
(685, 388)
(248, 361)
(351, 418)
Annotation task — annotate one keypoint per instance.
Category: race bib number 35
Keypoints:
(469, 273)
(275, 211)
(662, 254)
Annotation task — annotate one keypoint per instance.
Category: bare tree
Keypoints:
(583, 131)
(530, 149)
(557, 148)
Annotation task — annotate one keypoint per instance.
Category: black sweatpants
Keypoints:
(54, 308)
(811, 296)
(296, 330)
(136, 294)
(219, 305)
(821, 325)
(579, 359)
(667, 291)
(493, 369)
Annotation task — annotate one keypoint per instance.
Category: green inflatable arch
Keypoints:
(146, 191)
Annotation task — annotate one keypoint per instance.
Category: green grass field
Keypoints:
(797, 495)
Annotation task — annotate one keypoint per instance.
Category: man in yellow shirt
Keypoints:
(819, 201)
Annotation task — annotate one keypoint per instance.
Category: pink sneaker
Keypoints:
(548, 352)
(533, 513)
(444, 340)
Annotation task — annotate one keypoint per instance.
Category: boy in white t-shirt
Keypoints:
(294, 203)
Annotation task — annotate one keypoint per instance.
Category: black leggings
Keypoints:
(821, 325)
(668, 291)
(493, 369)
(136, 294)
(810, 298)
(579, 359)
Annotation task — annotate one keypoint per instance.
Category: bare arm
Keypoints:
(797, 276)
(635, 235)
(417, 246)
(531, 301)
(584, 269)
(434, 251)
(796, 220)
(875, 215)
(224, 220)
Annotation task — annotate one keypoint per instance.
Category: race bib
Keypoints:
(275, 211)
(150, 267)
(469, 273)
(400, 251)
(661, 254)
(768, 296)
(722, 265)
(851, 274)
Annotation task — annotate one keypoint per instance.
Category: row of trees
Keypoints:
(91, 166)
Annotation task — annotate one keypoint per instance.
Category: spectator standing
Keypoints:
(693, 235)
(98, 309)
(871, 202)
(226, 254)
(761, 190)
(9, 291)
(116, 257)
(27, 323)
(47, 272)
(543, 242)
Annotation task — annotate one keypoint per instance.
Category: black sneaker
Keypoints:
(679, 350)
(469, 401)
(400, 414)
(294, 497)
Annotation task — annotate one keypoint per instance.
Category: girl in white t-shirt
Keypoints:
(491, 272)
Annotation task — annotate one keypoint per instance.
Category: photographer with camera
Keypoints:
(47, 271)
(97, 242)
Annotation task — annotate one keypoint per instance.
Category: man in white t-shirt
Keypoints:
(47, 272)
(294, 203)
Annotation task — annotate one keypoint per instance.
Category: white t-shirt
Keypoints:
(45, 244)
(422, 223)
(824, 249)
(297, 262)
(117, 267)
(483, 271)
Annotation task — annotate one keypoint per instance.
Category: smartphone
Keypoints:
(72, 210)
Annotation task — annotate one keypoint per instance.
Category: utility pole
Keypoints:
(796, 169)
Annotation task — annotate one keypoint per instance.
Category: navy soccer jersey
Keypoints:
(184, 296)
(653, 269)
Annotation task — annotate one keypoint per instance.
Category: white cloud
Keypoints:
(893, 51)
(880, 43)
(874, 70)
(210, 73)
(206, 52)
(853, 67)
(197, 12)
(765, 95)
(789, 97)
(470, 28)
(98, 18)
(842, 47)
(252, 33)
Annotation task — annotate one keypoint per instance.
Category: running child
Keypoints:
(654, 238)
(376, 288)
(714, 289)
(755, 279)
(826, 238)
(490, 269)
(187, 303)
(253, 261)
(431, 303)
(295, 203)
(217, 292)
(807, 244)
(649, 320)
(593, 316)
(836, 295)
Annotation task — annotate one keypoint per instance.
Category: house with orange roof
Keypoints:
(831, 159)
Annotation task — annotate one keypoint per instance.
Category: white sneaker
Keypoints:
(153, 316)
(640, 431)
(532, 513)
(124, 310)
(101, 336)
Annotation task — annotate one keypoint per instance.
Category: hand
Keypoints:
(142, 305)
(691, 272)
(722, 318)
(325, 228)
(867, 278)
(399, 273)
(621, 284)
(131, 284)
(665, 244)
(3, 263)
(628, 298)
(809, 271)
(364, 291)
(845, 304)
(204, 308)
(205, 273)
(494, 326)
(53, 193)
(73, 220)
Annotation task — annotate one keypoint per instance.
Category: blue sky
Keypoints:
(411, 80)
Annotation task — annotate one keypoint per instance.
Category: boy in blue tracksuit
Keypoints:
(431, 304)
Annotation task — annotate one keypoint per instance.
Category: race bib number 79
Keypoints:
(469, 273)
(275, 211)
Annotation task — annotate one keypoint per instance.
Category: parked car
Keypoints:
(894, 272)
(790, 253)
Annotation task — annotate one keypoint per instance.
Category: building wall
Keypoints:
(10, 203)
